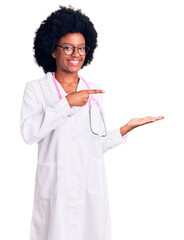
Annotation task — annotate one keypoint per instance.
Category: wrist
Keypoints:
(125, 129)
(69, 100)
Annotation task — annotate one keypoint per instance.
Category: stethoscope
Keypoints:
(90, 105)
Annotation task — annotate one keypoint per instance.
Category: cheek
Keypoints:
(83, 59)
(60, 59)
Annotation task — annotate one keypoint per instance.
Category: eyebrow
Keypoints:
(72, 44)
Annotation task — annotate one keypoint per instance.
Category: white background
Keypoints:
(139, 62)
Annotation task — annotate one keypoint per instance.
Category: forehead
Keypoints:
(72, 38)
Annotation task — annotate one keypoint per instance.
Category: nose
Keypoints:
(75, 52)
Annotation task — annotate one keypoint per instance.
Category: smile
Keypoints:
(75, 63)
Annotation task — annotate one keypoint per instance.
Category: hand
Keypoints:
(81, 98)
(136, 122)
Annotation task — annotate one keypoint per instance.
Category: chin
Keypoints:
(73, 70)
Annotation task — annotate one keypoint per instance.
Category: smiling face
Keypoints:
(69, 63)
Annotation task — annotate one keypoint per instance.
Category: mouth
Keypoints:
(74, 62)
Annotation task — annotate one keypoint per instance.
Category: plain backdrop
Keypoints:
(139, 63)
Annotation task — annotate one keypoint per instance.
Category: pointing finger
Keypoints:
(94, 91)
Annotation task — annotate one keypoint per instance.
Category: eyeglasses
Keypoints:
(69, 49)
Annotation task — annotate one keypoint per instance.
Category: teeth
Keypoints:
(74, 61)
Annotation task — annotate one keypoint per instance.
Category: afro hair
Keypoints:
(59, 23)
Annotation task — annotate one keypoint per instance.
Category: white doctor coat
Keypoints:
(70, 198)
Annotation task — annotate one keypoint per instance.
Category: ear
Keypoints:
(53, 54)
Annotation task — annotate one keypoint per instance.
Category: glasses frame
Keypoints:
(88, 48)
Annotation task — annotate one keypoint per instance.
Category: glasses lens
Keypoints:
(68, 50)
(83, 50)
(97, 121)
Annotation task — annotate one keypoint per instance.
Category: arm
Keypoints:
(112, 139)
(35, 123)
(119, 135)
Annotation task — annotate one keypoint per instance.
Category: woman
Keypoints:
(70, 199)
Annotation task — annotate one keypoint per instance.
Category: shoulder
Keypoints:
(44, 80)
(38, 88)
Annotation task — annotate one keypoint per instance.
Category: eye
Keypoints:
(82, 48)
(67, 47)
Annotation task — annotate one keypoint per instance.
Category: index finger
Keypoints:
(94, 91)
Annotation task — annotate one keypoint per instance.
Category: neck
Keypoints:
(66, 78)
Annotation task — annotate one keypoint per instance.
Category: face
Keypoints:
(69, 63)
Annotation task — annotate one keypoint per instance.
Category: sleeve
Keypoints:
(113, 138)
(35, 123)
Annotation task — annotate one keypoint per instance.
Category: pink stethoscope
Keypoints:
(90, 105)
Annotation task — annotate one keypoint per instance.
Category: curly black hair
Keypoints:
(59, 23)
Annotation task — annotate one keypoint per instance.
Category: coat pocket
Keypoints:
(96, 176)
(45, 184)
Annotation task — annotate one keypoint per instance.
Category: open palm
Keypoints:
(136, 122)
